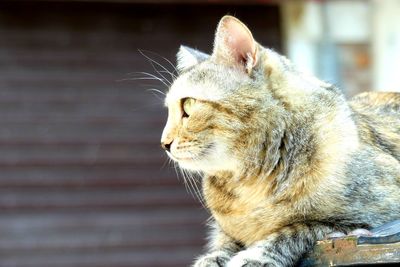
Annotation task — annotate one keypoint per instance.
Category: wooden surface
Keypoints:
(83, 181)
(346, 252)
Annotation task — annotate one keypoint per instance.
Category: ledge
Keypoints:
(382, 247)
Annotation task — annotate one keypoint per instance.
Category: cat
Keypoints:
(285, 158)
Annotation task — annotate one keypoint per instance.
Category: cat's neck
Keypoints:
(306, 144)
(317, 141)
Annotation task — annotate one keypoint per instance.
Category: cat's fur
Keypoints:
(286, 160)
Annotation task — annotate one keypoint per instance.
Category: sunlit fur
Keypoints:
(285, 158)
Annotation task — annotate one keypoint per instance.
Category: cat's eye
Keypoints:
(187, 106)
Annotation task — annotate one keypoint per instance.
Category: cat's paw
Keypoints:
(214, 259)
(251, 258)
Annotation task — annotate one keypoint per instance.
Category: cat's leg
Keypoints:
(221, 249)
(281, 249)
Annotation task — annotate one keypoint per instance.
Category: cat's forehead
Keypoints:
(209, 82)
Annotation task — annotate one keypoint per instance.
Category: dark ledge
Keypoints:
(383, 247)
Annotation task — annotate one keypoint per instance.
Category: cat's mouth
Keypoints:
(191, 155)
(178, 159)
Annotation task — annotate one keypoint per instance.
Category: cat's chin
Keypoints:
(191, 165)
(205, 166)
(208, 163)
(200, 169)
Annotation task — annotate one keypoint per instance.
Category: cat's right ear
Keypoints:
(188, 57)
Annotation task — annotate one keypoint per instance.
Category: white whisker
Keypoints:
(187, 182)
(152, 62)
(163, 79)
(168, 61)
(156, 90)
(168, 72)
(142, 78)
(195, 187)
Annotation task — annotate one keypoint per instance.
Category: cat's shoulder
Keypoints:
(378, 101)
(377, 116)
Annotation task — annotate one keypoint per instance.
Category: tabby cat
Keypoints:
(285, 158)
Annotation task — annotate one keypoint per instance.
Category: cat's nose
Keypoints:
(166, 145)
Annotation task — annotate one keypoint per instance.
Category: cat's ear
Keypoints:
(234, 44)
(188, 57)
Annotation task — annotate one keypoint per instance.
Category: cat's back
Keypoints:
(381, 102)
(377, 115)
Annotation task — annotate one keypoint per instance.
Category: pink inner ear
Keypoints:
(238, 40)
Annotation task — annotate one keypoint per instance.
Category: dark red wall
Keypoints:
(83, 181)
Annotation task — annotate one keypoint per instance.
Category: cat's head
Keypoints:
(218, 105)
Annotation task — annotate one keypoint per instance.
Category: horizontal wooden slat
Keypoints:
(94, 239)
(185, 226)
(120, 258)
(73, 131)
(23, 199)
(93, 152)
(88, 119)
(94, 177)
(163, 217)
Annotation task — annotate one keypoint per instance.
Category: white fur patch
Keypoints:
(250, 254)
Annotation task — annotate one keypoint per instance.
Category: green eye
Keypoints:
(188, 104)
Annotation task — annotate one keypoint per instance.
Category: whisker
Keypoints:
(195, 188)
(173, 76)
(187, 183)
(166, 161)
(160, 73)
(174, 164)
(156, 90)
(156, 95)
(142, 78)
(188, 180)
(168, 61)
(152, 62)
(164, 81)
(199, 193)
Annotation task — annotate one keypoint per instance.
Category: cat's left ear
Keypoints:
(188, 57)
(234, 44)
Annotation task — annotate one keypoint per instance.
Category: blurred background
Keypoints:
(83, 181)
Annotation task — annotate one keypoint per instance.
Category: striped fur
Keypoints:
(285, 158)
